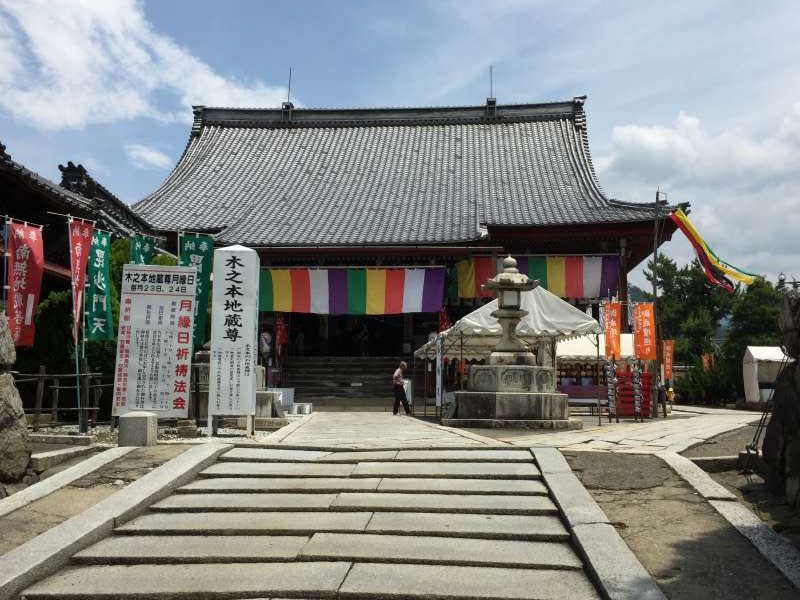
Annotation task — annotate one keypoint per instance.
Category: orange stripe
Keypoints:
(301, 291)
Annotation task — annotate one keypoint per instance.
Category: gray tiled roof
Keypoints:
(383, 176)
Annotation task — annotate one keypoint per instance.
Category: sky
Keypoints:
(699, 99)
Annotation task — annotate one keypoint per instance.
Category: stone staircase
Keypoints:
(273, 522)
(343, 382)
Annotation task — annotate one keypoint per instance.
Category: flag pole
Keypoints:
(76, 339)
(5, 264)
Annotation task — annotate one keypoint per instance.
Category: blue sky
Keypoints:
(700, 98)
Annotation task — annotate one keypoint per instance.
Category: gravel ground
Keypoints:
(725, 444)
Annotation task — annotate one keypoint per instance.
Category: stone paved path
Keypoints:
(280, 522)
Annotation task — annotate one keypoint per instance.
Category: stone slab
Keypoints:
(550, 460)
(271, 455)
(244, 469)
(465, 455)
(51, 550)
(615, 569)
(59, 480)
(447, 503)
(232, 502)
(282, 484)
(512, 527)
(370, 580)
(443, 469)
(440, 550)
(520, 487)
(576, 504)
(514, 423)
(772, 545)
(351, 457)
(278, 523)
(193, 581)
(41, 461)
(696, 477)
(52, 438)
(138, 428)
(512, 405)
(156, 549)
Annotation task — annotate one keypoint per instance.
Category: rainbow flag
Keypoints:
(715, 269)
(564, 276)
(351, 291)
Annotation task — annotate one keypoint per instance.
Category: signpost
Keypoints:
(154, 345)
(234, 328)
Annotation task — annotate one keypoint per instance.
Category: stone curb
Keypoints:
(50, 438)
(614, 568)
(41, 461)
(289, 429)
(59, 480)
(715, 464)
(695, 477)
(51, 550)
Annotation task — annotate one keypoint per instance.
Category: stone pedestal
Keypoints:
(138, 428)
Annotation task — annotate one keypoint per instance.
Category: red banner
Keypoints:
(644, 331)
(80, 242)
(25, 268)
(668, 356)
(612, 317)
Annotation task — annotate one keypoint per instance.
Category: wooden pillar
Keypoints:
(623, 284)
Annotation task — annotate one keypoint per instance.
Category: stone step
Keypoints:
(370, 580)
(232, 580)
(243, 502)
(520, 487)
(439, 550)
(510, 527)
(445, 503)
(471, 456)
(250, 469)
(271, 455)
(252, 523)
(470, 470)
(157, 549)
(279, 484)
(281, 455)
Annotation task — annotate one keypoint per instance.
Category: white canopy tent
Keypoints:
(584, 348)
(549, 317)
(760, 367)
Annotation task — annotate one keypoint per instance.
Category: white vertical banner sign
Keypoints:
(154, 343)
(234, 329)
(439, 369)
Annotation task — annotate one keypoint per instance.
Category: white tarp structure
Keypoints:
(760, 367)
(549, 317)
(584, 348)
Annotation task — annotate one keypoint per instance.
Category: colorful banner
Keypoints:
(25, 269)
(234, 328)
(351, 291)
(612, 317)
(644, 331)
(668, 358)
(99, 323)
(714, 268)
(80, 240)
(142, 249)
(564, 276)
(197, 250)
(154, 345)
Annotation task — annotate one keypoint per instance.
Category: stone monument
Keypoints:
(15, 446)
(513, 389)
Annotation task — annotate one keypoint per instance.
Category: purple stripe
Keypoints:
(433, 290)
(609, 279)
(522, 264)
(337, 291)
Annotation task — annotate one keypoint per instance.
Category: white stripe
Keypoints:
(29, 310)
(592, 273)
(319, 291)
(412, 290)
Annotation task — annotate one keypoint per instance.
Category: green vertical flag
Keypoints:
(142, 249)
(198, 251)
(99, 322)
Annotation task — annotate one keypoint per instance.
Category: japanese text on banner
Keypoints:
(154, 346)
(99, 322)
(644, 332)
(25, 268)
(198, 251)
(142, 249)
(80, 240)
(668, 349)
(612, 316)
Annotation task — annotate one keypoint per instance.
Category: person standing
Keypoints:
(399, 390)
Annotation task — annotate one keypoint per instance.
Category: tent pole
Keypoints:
(597, 368)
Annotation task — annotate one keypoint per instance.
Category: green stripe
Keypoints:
(356, 291)
(537, 269)
(265, 298)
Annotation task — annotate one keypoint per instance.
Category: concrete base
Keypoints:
(514, 423)
(512, 406)
(138, 428)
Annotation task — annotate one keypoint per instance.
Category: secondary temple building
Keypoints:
(369, 222)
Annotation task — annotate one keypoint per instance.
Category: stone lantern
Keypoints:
(511, 390)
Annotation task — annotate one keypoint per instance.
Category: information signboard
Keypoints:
(154, 343)
(234, 328)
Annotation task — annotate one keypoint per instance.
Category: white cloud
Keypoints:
(80, 62)
(144, 157)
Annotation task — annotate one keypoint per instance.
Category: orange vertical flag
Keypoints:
(612, 317)
(668, 355)
(648, 331)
